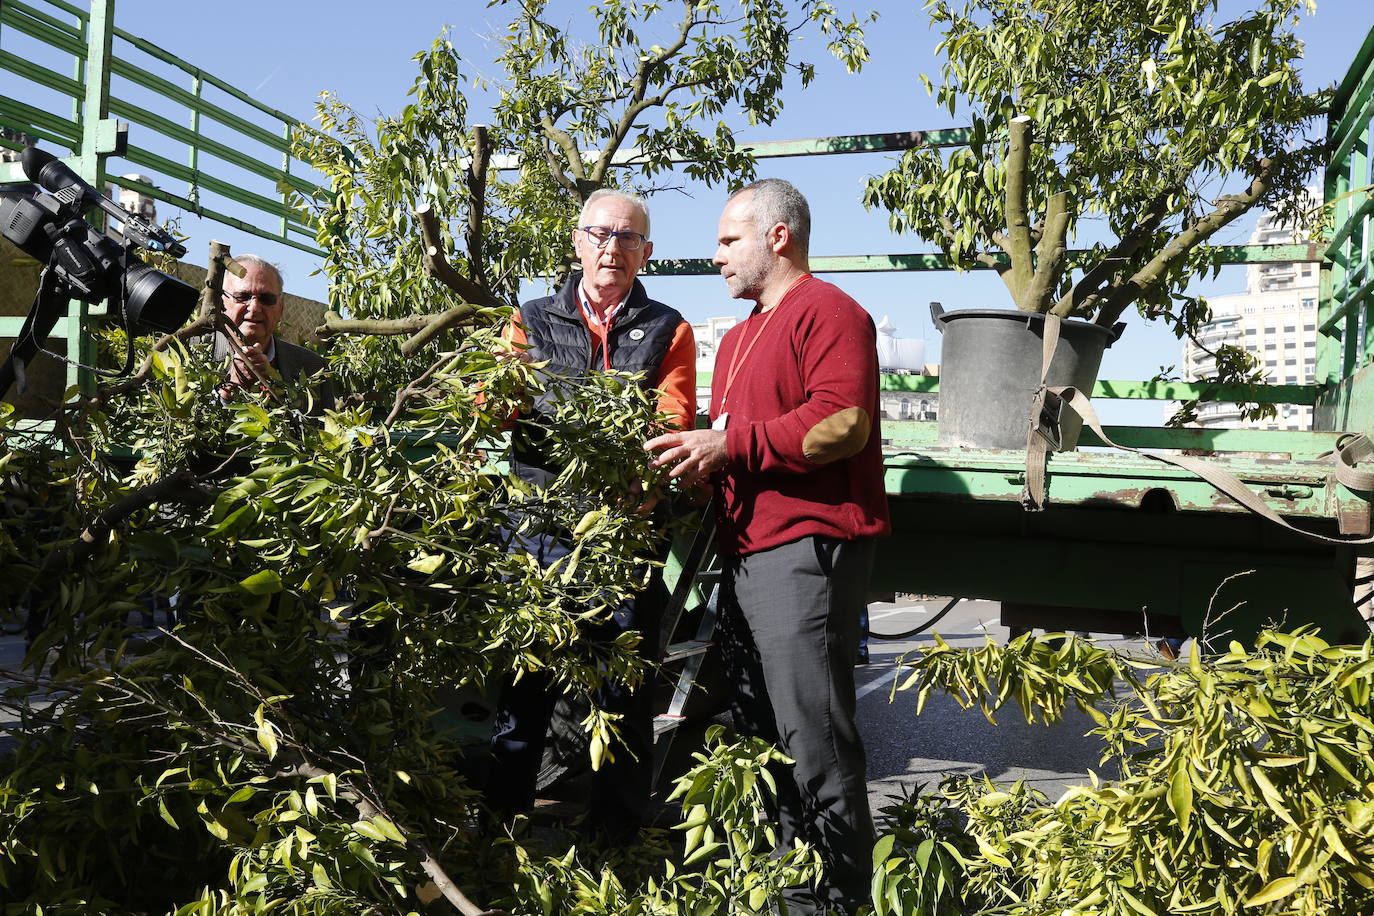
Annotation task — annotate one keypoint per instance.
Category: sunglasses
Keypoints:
(242, 297)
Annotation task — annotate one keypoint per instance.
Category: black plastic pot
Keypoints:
(990, 367)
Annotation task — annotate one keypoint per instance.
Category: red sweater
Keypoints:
(800, 387)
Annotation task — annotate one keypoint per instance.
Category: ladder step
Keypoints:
(666, 722)
(680, 650)
(709, 575)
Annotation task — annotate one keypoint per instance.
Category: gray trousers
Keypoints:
(789, 634)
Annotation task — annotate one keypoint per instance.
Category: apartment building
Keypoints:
(1275, 320)
(896, 355)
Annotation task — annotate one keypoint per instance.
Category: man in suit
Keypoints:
(254, 304)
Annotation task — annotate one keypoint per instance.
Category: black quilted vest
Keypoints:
(640, 336)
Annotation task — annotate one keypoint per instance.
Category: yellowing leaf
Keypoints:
(267, 739)
(426, 563)
(1275, 890)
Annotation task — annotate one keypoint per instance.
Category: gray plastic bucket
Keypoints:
(990, 368)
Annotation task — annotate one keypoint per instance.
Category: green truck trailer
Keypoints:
(1124, 544)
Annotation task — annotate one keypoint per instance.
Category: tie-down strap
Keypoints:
(1043, 435)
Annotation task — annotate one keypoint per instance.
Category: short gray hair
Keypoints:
(629, 197)
(778, 201)
(262, 264)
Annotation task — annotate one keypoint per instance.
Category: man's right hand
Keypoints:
(695, 454)
(240, 372)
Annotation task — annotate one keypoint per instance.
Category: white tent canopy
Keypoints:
(899, 352)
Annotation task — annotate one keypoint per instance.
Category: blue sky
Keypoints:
(285, 53)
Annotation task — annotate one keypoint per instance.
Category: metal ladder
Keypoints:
(691, 572)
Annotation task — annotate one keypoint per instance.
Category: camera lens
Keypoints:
(155, 301)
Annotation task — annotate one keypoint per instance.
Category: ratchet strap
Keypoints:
(1044, 436)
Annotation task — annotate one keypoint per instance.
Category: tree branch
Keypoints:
(335, 324)
(178, 486)
(407, 393)
(438, 266)
(477, 202)
(1050, 254)
(212, 290)
(1230, 208)
(1093, 285)
(476, 295)
(1018, 222)
(639, 88)
(572, 156)
(986, 258)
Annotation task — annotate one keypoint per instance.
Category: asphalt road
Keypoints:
(906, 750)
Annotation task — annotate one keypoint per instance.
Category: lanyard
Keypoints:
(741, 356)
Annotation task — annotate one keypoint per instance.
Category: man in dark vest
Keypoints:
(254, 304)
(600, 320)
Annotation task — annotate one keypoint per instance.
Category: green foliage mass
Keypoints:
(1241, 783)
(280, 743)
(338, 572)
(624, 97)
(1135, 128)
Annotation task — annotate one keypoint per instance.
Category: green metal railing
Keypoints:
(1346, 342)
(95, 125)
(87, 40)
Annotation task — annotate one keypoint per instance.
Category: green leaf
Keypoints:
(242, 795)
(367, 829)
(882, 849)
(1181, 796)
(266, 582)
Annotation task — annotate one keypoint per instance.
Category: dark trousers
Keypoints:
(789, 633)
(619, 799)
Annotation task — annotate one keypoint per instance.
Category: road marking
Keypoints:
(882, 680)
(915, 609)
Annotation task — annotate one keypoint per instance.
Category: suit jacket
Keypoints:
(295, 362)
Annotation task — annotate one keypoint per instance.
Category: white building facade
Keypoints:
(896, 355)
(1274, 320)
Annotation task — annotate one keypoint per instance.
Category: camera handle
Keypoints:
(56, 176)
(38, 324)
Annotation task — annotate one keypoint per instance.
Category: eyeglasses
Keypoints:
(242, 297)
(629, 239)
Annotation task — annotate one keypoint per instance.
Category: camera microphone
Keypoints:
(54, 175)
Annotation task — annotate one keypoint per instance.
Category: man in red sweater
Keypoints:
(795, 452)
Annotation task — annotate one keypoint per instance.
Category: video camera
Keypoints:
(84, 263)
